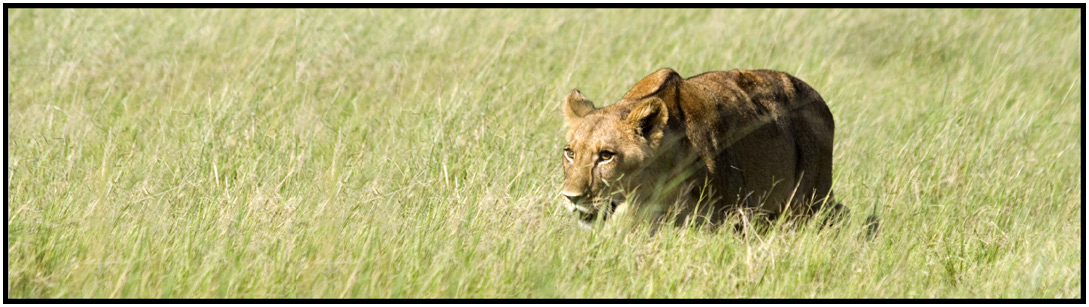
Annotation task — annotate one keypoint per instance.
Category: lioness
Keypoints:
(756, 141)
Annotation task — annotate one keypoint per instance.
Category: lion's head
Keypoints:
(609, 151)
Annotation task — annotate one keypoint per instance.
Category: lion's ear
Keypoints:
(649, 119)
(576, 106)
(653, 83)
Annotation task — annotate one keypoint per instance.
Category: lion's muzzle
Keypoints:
(588, 214)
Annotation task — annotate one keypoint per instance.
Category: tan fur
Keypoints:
(701, 147)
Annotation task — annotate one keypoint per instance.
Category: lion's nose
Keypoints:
(574, 198)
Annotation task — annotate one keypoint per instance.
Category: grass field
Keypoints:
(416, 153)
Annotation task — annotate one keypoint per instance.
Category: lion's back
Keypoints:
(767, 130)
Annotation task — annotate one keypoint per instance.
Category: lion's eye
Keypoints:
(569, 154)
(606, 155)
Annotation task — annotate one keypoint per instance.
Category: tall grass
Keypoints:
(416, 153)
